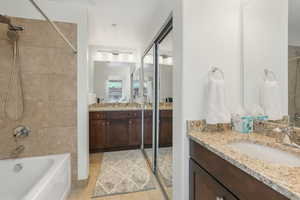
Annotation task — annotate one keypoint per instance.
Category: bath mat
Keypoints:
(123, 172)
(164, 164)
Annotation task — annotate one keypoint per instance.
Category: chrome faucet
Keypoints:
(287, 135)
(21, 132)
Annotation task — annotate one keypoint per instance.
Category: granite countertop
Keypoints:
(125, 107)
(283, 179)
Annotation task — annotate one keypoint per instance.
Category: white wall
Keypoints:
(74, 14)
(104, 70)
(265, 28)
(210, 36)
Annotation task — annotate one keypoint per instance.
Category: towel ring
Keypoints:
(216, 69)
(269, 72)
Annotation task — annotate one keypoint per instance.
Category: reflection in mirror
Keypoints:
(148, 77)
(294, 62)
(265, 64)
(112, 82)
(266, 45)
(164, 153)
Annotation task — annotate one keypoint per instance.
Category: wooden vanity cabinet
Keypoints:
(213, 178)
(121, 130)
(114, 130)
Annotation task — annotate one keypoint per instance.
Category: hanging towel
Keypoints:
(216, 109)
(271, 99)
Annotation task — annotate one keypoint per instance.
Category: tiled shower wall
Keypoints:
(294, 103)
(49, 78)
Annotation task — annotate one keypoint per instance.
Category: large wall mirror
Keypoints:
(271, 46)
(115, 82)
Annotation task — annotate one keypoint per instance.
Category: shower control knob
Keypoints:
(21, 132)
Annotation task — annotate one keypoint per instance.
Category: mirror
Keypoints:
(294, 62)
(148, 91)
(165, 138)
(265, 30)
(136, 91)
(114, 82)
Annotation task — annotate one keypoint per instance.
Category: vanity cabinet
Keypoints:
(213, 178)
(114, 130)
(121, 130)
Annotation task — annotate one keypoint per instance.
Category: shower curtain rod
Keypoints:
(54, 26)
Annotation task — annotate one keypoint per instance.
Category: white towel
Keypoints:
(271, 99)
(216, 109)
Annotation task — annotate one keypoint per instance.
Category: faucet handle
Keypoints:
(21, 132)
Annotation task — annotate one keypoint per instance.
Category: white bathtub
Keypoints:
(41, 178)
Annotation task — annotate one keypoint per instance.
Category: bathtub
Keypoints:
(35, 178)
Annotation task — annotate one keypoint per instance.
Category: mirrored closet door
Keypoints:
(165, 133)
(157, 67)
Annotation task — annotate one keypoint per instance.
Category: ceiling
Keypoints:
(135, 21)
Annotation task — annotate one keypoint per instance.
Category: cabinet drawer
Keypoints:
(118, 115)
(166, 113)
(97, 115)
(123, 114)
(205, 187)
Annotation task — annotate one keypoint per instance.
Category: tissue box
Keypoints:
(243, 124)
(261, 118)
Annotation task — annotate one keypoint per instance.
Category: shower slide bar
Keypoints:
(54, 26)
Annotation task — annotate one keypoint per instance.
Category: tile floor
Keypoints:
(85, 193)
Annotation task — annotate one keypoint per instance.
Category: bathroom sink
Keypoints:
(266, 153)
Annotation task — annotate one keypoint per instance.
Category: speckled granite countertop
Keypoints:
(112, 108)
(125, 107)
(283, 179)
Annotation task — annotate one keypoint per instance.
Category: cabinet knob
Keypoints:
(103, 123)
(220, 198)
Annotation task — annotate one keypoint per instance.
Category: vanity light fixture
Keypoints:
(115, 56)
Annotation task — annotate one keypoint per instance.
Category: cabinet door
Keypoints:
(117, 133)
(97, 134)
(148, 131)
(165, 131)
(205, 187)
(135, 129)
